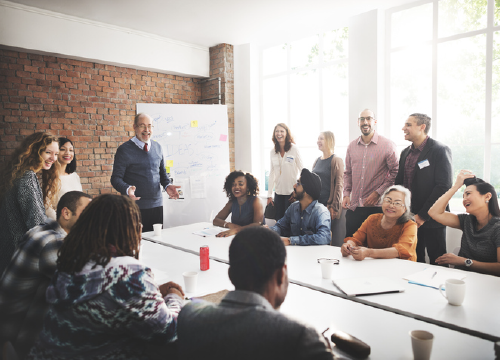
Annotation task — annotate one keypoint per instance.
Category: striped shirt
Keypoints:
(411, 161)
(368, 168)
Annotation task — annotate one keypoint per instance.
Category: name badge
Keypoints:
(423, 164)
(289, 159)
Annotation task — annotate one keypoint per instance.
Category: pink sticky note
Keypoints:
(223, 137)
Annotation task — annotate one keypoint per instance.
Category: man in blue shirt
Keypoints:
(139, 171)
(306, 221)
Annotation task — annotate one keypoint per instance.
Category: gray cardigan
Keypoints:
(21, 209)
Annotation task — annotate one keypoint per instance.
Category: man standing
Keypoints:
(138, 171)
(306, 221)
(425, 169)
(246, 324)
(23, 284)
(371, 166)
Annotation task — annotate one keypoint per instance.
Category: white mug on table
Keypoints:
(455, 291)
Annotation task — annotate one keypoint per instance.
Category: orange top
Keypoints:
(401, 236)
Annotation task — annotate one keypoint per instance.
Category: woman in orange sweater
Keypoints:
(391, 234)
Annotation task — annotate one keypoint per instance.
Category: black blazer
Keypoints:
(430, 182)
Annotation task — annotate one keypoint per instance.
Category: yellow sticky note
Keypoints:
(168, 169)
(194, 123)
(170, 163)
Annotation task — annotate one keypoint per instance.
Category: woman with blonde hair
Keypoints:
(21, 197)
(103, 302)
(286, 165)
(330, 169)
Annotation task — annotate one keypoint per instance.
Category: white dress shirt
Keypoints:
(284, 171)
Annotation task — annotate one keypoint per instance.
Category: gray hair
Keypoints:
(407, 215)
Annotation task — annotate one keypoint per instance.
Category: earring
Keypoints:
(487, 201)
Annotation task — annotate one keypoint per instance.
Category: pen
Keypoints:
(435, 272)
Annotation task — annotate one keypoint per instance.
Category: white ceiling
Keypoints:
(211, 22)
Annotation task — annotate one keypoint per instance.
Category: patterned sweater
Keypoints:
(115, 312)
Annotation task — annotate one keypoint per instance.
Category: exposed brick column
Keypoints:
(222, 65)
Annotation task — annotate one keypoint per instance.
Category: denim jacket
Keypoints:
(308, 227)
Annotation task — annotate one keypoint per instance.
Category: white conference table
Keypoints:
(479, 315)
(385, 332)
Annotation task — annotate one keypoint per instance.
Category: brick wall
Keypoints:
(90, 103)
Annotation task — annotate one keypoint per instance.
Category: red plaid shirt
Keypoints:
(369, 167)
(411, 161)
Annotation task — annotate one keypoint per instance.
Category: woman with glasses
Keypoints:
(286, 165)
(391, 234)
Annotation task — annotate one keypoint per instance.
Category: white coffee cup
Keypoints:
(190, 281)
(326, 268)
(157, 229)
(455, 291)
(421, 343)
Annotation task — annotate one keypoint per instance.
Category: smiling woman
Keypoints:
(389, 235)
(21, 197)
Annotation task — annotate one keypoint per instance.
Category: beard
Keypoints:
(299, 195)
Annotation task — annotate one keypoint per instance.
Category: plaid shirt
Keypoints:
(23, 285)
(411, 161)
(369, 167)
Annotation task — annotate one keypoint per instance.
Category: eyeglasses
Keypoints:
(367, 118)
(396, 204)
(335, 261)
(144, 127)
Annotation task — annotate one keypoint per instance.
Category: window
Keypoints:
(304, 85)
(444, 61)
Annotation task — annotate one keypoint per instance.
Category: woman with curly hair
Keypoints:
(21, 198)
(244, 205)
(286, 165)
(70, 181)
(103, 302)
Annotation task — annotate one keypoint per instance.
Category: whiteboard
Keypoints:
(194, 139)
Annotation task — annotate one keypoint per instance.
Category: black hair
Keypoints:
(71, 167)
(423, 119)
(483, 188)
(252, 184)
(254, 255)
(70, 200)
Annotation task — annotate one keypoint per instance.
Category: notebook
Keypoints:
(369, 286)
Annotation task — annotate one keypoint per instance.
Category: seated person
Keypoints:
(306, 221)
(24, 281)
(103, 302)
(391, 234)
(480, 246)
(243, 205)
(246, 324)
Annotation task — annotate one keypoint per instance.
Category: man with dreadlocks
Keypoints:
(104, 303)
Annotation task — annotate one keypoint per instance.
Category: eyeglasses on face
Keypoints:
(144, 127)
(335, 261)
(397, 204)
(367, 118)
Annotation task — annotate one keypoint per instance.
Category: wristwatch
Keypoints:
(468, 262)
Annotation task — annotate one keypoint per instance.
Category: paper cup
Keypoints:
(421, 343)
(190, 281)
(455, 291)
(326, 268)
(157, 229)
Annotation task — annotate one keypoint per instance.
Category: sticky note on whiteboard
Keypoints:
(167, 169)
(223, 137)
(194, 123)
(170, 163)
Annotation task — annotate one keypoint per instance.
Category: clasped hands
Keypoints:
(171, 288)
(357, 252)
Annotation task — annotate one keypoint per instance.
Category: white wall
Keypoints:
(31, 29)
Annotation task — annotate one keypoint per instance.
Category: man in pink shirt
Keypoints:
(371, 166)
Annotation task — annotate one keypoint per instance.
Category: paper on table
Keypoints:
(161, 277)
(209, 231)
(198, 187)
(427, 278)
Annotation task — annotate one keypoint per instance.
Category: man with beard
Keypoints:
(371, 166)
(306, 221)
(139, 170)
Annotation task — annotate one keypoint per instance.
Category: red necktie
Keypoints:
(146, 147)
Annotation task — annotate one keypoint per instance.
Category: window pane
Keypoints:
(495, 122)
(495, 169)
(274, 60)
(304, 108)
(459, 16)
(336, 102)
(335, 44)
(411, 26)
(304, 52)
(274, 105)
(411, 87)
(497, 13)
